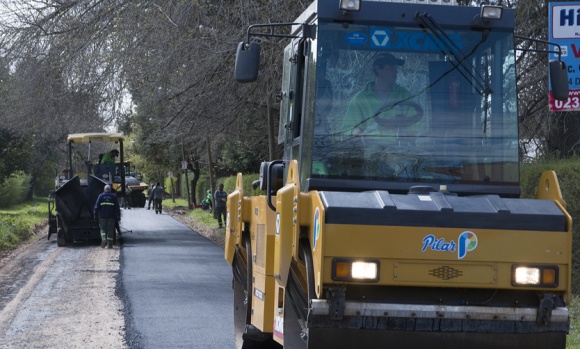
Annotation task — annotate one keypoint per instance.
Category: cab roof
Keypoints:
(95, 137)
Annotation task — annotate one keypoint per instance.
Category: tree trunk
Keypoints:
(195, 170)
(211, 179)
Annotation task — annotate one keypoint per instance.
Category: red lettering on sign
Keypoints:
(575, 50)
(571, 104)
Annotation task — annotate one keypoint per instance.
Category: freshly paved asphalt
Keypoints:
(175, 284)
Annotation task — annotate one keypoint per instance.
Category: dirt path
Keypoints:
(60, 297)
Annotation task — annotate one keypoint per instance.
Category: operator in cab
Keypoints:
(383, 110)
(109, 157)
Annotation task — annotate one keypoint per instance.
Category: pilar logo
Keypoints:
(316, 227)
(466, 242)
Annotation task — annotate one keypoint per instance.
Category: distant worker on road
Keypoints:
(220, 204)
(150, 194)
(109, 157)
(158, 192)
(207, 204)
(107, 212)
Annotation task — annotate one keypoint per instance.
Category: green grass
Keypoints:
(17, 222)
(201, 216)
(573, 341)
(179, 202)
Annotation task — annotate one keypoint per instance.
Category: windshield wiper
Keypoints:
(450, 49)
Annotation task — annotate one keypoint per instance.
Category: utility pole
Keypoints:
(170, 174)
(211, 183)
(271, 139)
(184, 167)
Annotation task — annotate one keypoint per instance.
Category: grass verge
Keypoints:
(573, 340)
(199, 220)
(201, 216)
(18, 222)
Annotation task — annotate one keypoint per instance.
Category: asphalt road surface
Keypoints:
(165, 287)
(176, 285)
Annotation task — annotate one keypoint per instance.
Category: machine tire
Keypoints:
(69, 238)
(51, 230)
(294, 332)
(60, 238)
(139, 200)
(241, 269)
(246, 336)
(296, 300)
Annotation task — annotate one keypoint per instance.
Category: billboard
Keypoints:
(564, 29)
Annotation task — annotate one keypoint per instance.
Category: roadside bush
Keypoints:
(14, 189)
(18, 221)
(12, 231)
(229, 185)
(248, 179)
(44, 186)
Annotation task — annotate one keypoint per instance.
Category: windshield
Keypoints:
(405, 104)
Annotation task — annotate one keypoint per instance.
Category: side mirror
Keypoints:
(559, 80)
(272, 171)
(247, 62)
(271, 179)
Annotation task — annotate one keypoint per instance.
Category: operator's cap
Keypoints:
(107, 188)
(387, 58)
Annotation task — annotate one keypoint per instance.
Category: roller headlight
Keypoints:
(535, 275)
(355, 270)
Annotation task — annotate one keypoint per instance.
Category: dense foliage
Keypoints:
(14, 189)
(18, 221)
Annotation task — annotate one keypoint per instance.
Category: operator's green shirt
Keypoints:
(366, 104)
(108, 158)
